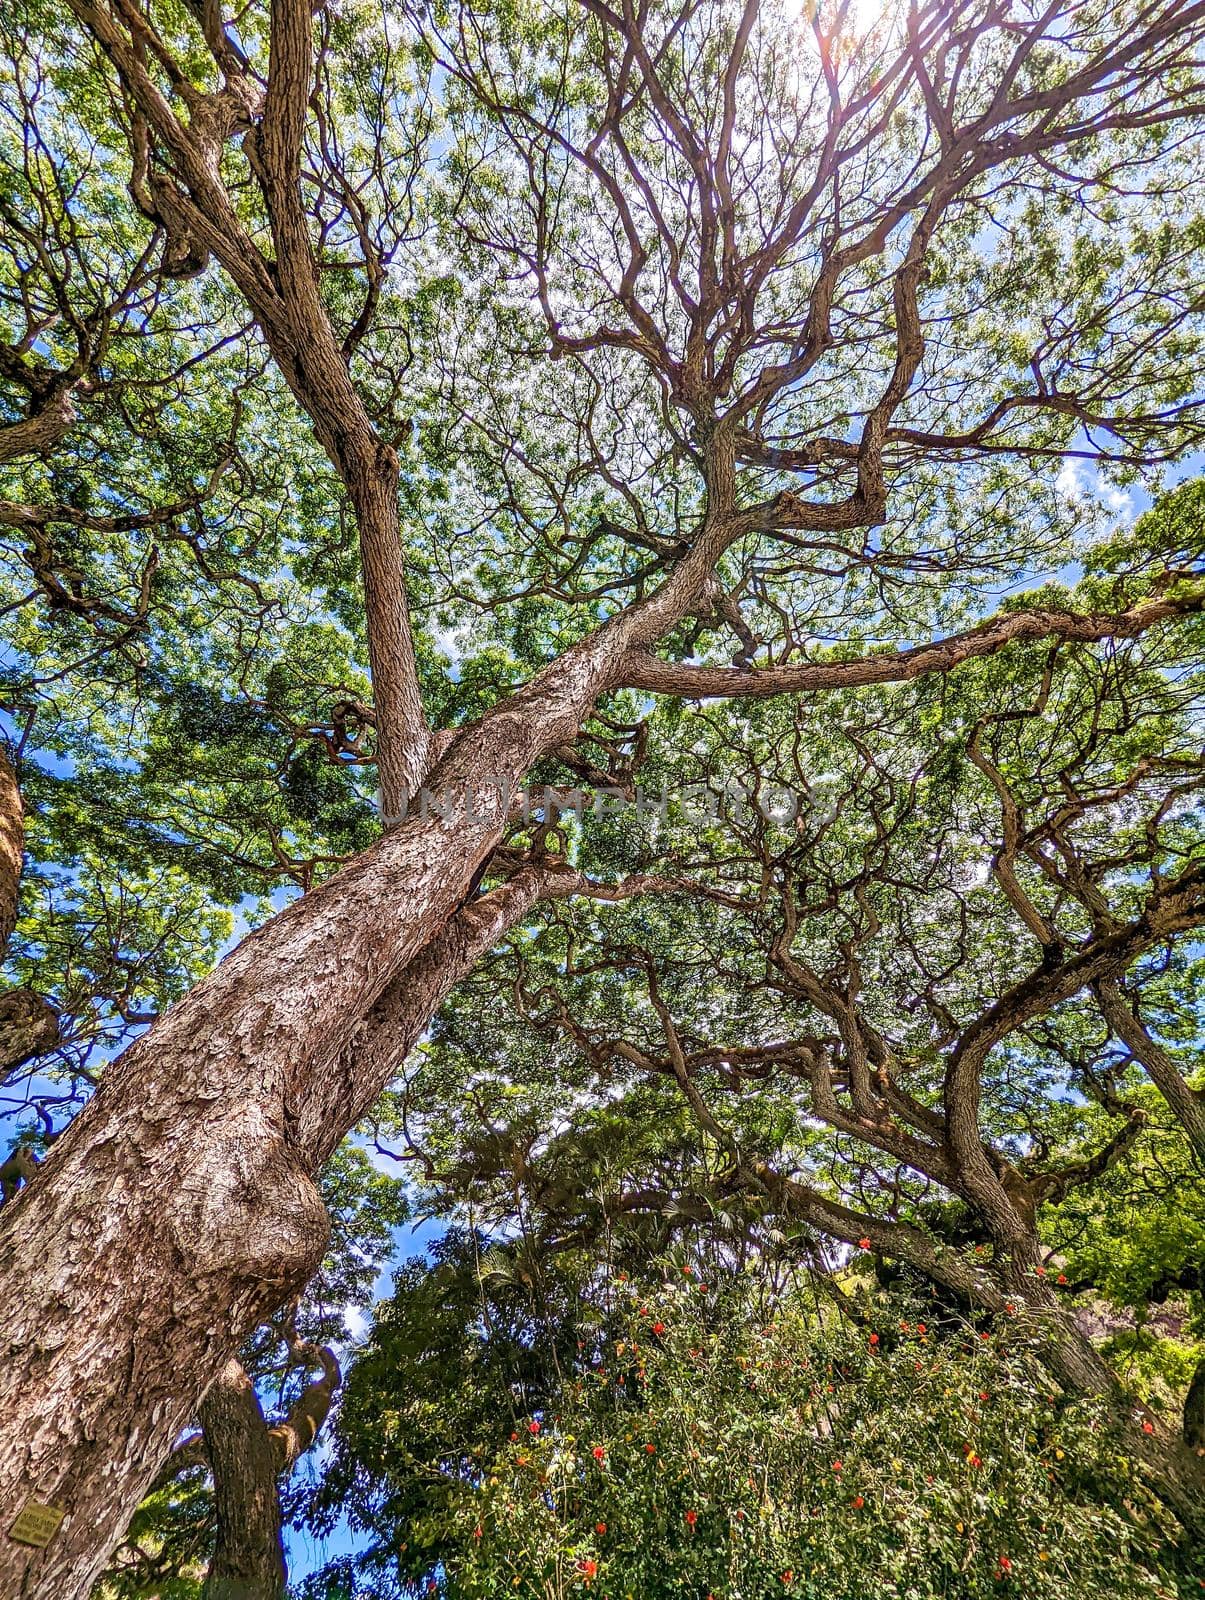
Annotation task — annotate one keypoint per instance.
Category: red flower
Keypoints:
(599, 1452)
(905, 1327)
(983, 1394)
(1062, 1278)
(691, 1518)
(587, 1568)
(1011, 1309)
(533, 1427)
(788, 1576)
(873, 1340)
(687, 1271)
(974, 1461)
(513, 1437)
(985, 1335)
(1148, 1427)
(650, 1449)
(838, 1466)
(920, 1328)
(857, 1502)
(702, 1288)
(863, 1244)
(600, 1527)
(477, 1531)
(658, 1327)
(1005, 1564)
(644, 1311)
(1041, 1271)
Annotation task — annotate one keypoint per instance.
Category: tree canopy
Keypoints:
(603, 603)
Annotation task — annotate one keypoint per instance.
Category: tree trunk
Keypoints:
(179, 1210)
(1194, 1411)
(29, 1025)
(1172, 1471)
(248, 1559)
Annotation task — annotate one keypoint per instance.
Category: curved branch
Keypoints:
(643, 670)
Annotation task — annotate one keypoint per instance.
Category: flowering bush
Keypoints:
(734, 1461)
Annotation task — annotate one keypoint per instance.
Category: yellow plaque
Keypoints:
(36, 1524)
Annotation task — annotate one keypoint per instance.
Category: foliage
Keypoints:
(722, 1437)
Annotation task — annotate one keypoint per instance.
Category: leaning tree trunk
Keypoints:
(179, 1209)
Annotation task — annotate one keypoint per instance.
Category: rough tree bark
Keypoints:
(248, 1559)
(179, 1209)
(29, 1025)
(195, 1159)
(246, 1459)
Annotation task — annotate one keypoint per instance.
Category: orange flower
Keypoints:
(600, 1528)
(857, 1502)
(650, 1449)
(788, 1576)
(1148, 1427)
(838, 1466)
(691, 1518)
(1062, 1278)
(873, 1340)
(587, 1568)
(863, 1244)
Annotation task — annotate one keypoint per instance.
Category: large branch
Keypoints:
(643, 670)
(284, 298)
(1185, 1103)
(1177, 906)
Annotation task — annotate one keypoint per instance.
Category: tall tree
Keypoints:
(761, 325)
